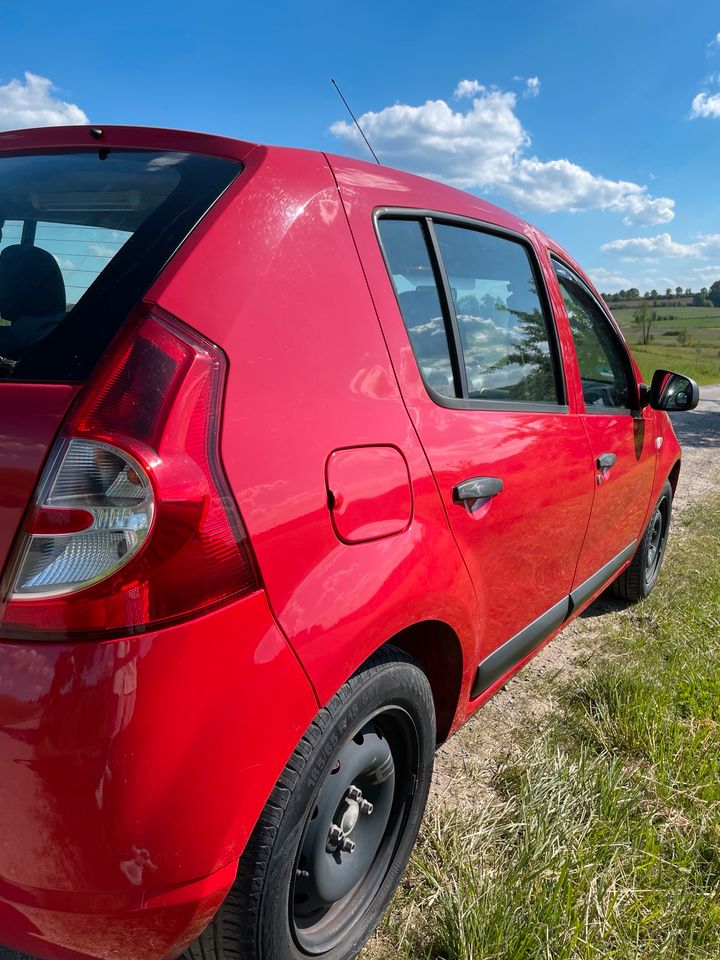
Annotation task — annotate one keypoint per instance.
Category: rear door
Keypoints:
(481, 371)
(622, 438)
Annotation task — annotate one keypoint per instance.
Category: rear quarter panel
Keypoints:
(276, 281)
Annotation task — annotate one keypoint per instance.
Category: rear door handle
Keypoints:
(477, 488)
(606, 460)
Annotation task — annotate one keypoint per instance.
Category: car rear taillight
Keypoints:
(133, 525)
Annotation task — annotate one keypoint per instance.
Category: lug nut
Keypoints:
(302, 874)
(347, 845)
(336, 836)
(355, 793)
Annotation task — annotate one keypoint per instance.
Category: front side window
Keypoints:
(603, 362)
(412, 275)
(503, 328)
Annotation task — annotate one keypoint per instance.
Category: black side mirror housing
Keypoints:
(673, 392)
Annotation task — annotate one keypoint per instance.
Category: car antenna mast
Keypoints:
(355, 120)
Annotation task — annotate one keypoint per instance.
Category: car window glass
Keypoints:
(503, 327)
(602, 361)
(412, 275)
(83, 233)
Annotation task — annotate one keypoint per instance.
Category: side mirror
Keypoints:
(673, 392)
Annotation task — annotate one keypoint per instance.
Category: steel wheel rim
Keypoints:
(383, 748)
(656, 543)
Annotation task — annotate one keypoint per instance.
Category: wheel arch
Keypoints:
(674, 475)
(439, 653)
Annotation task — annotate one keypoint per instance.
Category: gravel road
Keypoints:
(464, 764)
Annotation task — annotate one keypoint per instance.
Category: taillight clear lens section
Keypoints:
(92, 520)
(134, 525)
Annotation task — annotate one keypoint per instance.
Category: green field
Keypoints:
(699, 359)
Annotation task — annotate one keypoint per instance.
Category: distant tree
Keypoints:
(683, 338)
(688, 292)
(704, 292)
(633, 293)
(668, 292)
(714, 293)
(678, 291)
(644, 319)
(653, 294)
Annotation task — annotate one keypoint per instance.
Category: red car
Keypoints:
(302, 458)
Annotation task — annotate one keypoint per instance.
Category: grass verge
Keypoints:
(602, 837)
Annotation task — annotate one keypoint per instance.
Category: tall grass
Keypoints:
(603, 837)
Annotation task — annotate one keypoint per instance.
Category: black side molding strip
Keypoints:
(592, 584)
(500, 661)
(513, 650)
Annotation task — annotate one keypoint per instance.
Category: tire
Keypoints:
(378, 734)
(638, 580)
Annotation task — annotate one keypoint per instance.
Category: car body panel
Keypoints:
(99, 740)
(336, 602)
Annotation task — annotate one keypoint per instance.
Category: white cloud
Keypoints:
(33, 103)
(555, 185)
(607, 280)
(468, 88)
(468, 149)
(715, 42)
(707, 275)
(662, 245)
(483, 147)
(532, 87)
(705, 105)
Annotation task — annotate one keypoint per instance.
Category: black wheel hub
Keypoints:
(351, 833)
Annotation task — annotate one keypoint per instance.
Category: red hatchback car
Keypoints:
(301, 459)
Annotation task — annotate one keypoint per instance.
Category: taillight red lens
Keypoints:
(133, 525)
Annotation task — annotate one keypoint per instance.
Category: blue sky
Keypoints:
(601, 149)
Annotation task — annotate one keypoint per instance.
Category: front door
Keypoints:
(622, 440)
(480, 370)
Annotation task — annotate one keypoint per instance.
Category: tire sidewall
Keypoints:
(395, 684)
(664, 506)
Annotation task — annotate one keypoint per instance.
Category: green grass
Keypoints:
(657, 356)
(603, 838)
(699, 359)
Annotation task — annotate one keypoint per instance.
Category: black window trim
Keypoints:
(635, 411)
(427, 218)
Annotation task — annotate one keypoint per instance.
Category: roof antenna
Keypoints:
(332, 81)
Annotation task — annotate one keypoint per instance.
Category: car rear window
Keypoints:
(83, 234)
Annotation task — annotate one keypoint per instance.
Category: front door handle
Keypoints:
(477, 488)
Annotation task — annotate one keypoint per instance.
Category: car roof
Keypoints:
(381, 186)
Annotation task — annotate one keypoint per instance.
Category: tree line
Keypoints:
(705, 297)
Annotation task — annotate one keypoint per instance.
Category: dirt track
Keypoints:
(464, 765)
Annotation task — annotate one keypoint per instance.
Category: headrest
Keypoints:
(31, 284)
(420, 305)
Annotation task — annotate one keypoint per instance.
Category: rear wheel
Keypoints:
(335, 836)
(636, 582)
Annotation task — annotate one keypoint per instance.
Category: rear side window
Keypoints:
(414, 281)
(83, 234)
(501, 322)
(474, 315)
